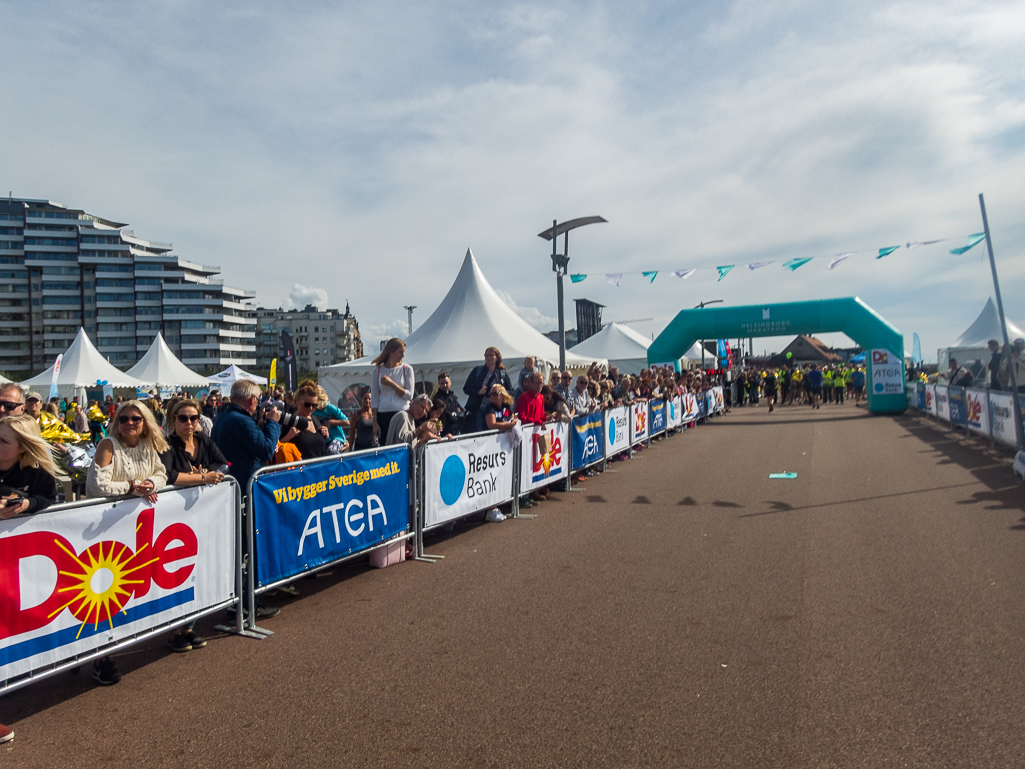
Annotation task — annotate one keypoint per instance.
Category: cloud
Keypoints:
(375, 333)
(532, 315)
(301, 295)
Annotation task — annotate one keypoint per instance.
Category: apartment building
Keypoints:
(62, 269)
(320, 337)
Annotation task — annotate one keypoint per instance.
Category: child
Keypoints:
(526, 371)
(27, 484)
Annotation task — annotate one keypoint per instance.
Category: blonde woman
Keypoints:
(498, 414)
(27, 483)
(391, 385)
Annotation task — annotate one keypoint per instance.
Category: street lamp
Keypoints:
(560, 266)
(701, 306)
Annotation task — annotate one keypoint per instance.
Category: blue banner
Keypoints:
(702, 406)
(588, 439)
(920, 388)
(957, 405)
(658, 417)
(314, 514)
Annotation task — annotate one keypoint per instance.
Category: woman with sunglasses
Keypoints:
(193, 458)
(497, 411)
(127, 462)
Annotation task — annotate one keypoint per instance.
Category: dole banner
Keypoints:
(887, 373)
(658, 417)
(588, 440)
(942, 403)
(539, 468)
(617, 430)
(690, 408)
(977, 410)
(314, 514)
(956, 406)
(638, 422)
(720, 405)
(675, 412)
(464, 476)
(930, 398)
(77, 580)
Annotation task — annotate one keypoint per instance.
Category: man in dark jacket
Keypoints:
(244, 444)
(453, 409)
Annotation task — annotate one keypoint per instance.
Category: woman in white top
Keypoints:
(391, 386)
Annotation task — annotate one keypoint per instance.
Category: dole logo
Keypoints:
(880, 356)
(94, 585)
(544, 463)
(974, 410)
(640, 420)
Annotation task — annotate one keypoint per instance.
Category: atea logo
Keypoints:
(545, 465)
(94, 585)
(880, 356)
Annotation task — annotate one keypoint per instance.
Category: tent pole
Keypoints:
(1003, 328)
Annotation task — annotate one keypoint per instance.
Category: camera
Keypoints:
(289, 421)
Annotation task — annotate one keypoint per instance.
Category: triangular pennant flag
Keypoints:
(578, 277)
(684, 273)
(756, 265)
(650, 275)
(614, 278)
(793, 264)
(920, 243)
(888, 250)
(839, 258)
(724, 269)
(973, 241)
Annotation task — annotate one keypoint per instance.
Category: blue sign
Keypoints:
(311, 515)
(658, 417)
(920, 388)
(587, 439)
(957, 405)
(702, 405)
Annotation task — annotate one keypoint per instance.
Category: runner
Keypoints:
(797, 388)
(786, 379)
(770, 388)
(857, 384)
(814, 386)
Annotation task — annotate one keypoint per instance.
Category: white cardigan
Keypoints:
(135, 463)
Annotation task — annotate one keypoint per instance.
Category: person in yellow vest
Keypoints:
(839, 383)
(827, 384)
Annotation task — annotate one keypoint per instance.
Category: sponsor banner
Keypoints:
(1001, 407)
(617, 430)
(956, 406)
(691, 411)
(675, 412)
(538, 468)
(709, 398)
(930, 398)
(977, 410)
(588, 439)
(887, 373)
(464, 476)
(77, 580)
(942, 403)
(315, 514)
(702, 406)
(920, 395)
(658, 417)
(638, 423)
(720, 405)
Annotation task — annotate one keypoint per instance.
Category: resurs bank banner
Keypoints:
(77, 580)
(461, 477)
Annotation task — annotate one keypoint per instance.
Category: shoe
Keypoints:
(179, 643)
(494, 515)
(197, 641)
(6, 734)
(527, 503)
(105, 672)
(288, 589)
(262, 612)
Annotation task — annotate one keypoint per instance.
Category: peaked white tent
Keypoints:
(232, 374)
(621, 345)
(3, 379)
(82, 366)
(470, 318)
(160, 366)
(971, 345)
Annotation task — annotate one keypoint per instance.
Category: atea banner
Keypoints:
(538, 467)
(588, 439)
(464, 476)
(942, 403)
(76, 580)
(690, 408)
(658, 417)
(977, 410)
(314, 514)
(617, 430)
(638, 422)
(956, 406)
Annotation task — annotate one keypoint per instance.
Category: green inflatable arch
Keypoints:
(883, 344)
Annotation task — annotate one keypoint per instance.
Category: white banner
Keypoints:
(887, 373)
(930, 399)
(977, 410)
(1001, 411)
(638, 422)
(74, 581)
(676, 412)
(690, 408)
(537, 468)
(464, 476)
(942, 403)
(720, 406)
(617, 430)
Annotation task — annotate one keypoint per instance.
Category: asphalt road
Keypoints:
(682, 611)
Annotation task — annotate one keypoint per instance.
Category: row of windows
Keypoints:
(115, 297)
(10, 288)
(116, 327)
(52, 257)
(12, 260)
(111, 283)
(64, 285)
(197, 310)
(10, 231)
(11, 218)
(104, 254)
(101, 239)
(113, 268)
(50, 215)
(114, 312)
(115, 341)
(61, 271)
(11, 245)
(49, 228)
(198, 324)
(49, 242)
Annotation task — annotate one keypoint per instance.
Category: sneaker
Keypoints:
(6, 734)
(105, 672)
(494, 515)
(262, 612)
(197, 641)
(179, 643)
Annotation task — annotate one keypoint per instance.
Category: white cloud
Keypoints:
(301, 295)
(532, 315)
(374, 333)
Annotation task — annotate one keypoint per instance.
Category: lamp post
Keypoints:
(701, 306)
(560, 266)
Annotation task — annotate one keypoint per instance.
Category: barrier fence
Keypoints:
(984, 412)
(87, 579)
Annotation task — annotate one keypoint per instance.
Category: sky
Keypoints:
(334, 152)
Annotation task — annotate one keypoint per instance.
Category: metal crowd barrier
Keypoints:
(981, 411)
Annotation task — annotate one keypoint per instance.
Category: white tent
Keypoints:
(971, 345)
(469, 319)
(3, 379)
(160, 366)
(621, 345)
(231, 374)
(82, 366)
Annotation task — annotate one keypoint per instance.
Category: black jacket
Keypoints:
(177, 460)
(34, 483)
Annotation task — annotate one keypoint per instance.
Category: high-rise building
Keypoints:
(320, 337)
(62, 269)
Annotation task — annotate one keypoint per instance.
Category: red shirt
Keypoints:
(530, 408)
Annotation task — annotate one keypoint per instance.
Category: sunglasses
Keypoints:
(183, 418)
(493, 393)
(10, 405)
(126, 419)
(309, 405)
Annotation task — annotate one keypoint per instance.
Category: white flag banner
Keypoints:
(757, 265)
(839, 258)
(684, 273)
(614, 278)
